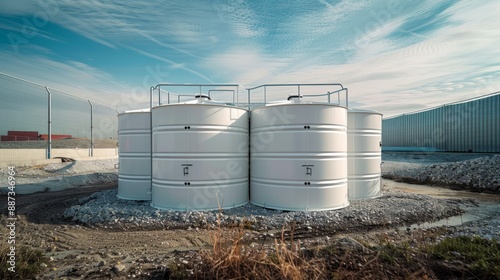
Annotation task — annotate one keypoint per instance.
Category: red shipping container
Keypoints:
(17, 138)
(23, 133)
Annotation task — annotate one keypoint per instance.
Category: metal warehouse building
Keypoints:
(469, 126)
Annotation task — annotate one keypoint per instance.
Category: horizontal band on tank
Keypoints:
(161, 128)
(304, 155)
(146, 197)
(135, 155)
(271, 106)
(308, 208)
(364, 155)
(297, 183)
(187, 208)
(201, 184)
(374, 176)
(311, 127)
(201, 155)
(126, 177)
(363, 132)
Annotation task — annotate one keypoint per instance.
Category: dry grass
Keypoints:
(235, 255)
(232, 258)
(27, 264)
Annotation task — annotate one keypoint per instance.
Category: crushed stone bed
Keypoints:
(480, 174)
(104, 209)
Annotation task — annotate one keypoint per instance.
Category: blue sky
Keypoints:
(394, 56)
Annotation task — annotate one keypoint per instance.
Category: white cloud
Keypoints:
(348, 42)
(174, 65)
(244, 65)
(18, 7)
(449, 65)
(240, 17)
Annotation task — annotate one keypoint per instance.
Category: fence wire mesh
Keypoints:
(29, 112)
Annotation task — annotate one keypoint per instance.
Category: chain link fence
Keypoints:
(38, 122)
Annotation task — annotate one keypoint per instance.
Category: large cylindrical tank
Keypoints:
(200, 156)
(134, 153)
(364, 132)
(299, 156)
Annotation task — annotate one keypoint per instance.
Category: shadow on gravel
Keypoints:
(48, 207)
(65, 168)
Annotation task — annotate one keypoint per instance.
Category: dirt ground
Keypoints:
(78, 252)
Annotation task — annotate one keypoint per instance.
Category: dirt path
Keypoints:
(77, 251)
(47, 207)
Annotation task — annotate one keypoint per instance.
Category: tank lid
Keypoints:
(146, 110)
(291, 97)
(203, 96)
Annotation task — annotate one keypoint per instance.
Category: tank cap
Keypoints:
(294, 96)
(202, 96)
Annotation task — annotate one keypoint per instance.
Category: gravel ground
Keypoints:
(479, 174)
(126, 239)
(393, 209)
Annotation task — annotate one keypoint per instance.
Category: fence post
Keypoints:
(49, 123)
(91, 131)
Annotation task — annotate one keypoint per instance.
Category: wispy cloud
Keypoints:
(23, 30)
(393, 55)
(19, 7)
(245, 65)
(71, 77)
(173, 65)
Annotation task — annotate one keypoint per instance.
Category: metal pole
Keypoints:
(159, 97)
(248, 99)
(49, 123)
(151, 151)
(265, 95)
(150, 97)
(237, 96)
(91, 130)
(346, 98)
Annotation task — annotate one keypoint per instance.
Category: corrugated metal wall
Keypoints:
(458, 127)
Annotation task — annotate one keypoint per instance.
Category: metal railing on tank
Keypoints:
(328, 94)
(212, 88)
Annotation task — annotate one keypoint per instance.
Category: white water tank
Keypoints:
(134, 153)
(298, 156)
(200, 156)
(364, 153)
